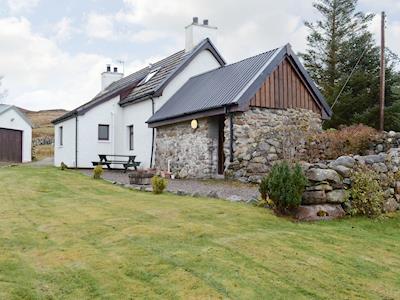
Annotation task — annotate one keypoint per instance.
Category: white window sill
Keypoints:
(104, 142)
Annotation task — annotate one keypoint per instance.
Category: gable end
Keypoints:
(285, 88)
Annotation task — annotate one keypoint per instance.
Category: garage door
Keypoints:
(10, 145)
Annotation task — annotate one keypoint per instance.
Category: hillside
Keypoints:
(42, 121)
(43, 131)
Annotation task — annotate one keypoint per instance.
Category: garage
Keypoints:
(15, 135)
(10, 145)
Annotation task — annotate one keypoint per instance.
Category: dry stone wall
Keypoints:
(326, 197)
(263, 136)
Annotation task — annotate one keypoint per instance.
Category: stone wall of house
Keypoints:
(192, 152)
(262, 136)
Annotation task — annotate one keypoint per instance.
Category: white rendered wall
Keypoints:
(13, 120)
(66, 152)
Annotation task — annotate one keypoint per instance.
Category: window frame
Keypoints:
(61, 136)
(131, 137)
(108, 132)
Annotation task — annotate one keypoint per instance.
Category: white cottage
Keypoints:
(196, 116)
(114, 122)
(15, 135)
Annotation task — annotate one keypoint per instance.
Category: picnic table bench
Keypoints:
(110, 159)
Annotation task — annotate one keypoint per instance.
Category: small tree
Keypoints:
(285, 185)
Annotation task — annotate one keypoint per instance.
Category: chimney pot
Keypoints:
(195, 20)
(108, 68)
(115, 70)
(205, 22)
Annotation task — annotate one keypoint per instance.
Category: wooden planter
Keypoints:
(141, 177)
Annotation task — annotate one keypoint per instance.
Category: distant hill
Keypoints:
(42, 121)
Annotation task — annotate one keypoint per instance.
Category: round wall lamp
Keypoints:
(194, 124)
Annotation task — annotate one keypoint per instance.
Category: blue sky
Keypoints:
(52, 52)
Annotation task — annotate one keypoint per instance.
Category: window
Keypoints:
(60, 131)
(130, 136)
(104, 132)
(148, 76)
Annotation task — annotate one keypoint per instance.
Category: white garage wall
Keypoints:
(11, 119)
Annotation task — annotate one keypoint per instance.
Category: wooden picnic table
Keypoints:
(114, 159)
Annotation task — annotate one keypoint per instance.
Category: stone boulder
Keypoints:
(322, 186)
(336, 196)
(390, 205)
(314, 197)
(323, 175)
(372, 159)
(320, 212)
(342, 170)
(345, 161)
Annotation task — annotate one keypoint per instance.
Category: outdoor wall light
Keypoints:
(194, 124)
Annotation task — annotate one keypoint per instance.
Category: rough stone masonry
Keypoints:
(263, 136)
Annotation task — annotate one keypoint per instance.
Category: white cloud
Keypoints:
(392, 33)
(63, 29)
(245, 28)
(100, 26)
(40, 75)
(18, 6)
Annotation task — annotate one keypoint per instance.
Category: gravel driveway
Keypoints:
(214, 188)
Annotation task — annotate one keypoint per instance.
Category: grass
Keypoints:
(67, 236)
(43, 151)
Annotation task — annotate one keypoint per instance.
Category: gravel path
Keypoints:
(215, 188)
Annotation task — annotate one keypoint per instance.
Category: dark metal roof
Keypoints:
(127, 86)
(230, 85)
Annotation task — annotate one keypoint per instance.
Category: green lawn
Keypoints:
(64, 235)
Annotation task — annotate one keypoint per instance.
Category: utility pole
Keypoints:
(382, 76)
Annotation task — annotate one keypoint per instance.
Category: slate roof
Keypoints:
(128, 87)
(229, 85)
(6, 107)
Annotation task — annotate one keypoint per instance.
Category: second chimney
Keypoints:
(109, 77)
(195, 33)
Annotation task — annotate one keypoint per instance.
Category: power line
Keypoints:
(348, 78)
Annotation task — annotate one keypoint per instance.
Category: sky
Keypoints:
(52, 53)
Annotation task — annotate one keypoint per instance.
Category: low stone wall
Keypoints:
(263, 136)
(192, 152)
(328, 182)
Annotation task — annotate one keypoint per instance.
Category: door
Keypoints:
(10, 145)
(221, 140)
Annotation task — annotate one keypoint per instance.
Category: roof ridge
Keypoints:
(237, 62)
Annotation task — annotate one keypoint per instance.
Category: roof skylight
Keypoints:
(148, 76)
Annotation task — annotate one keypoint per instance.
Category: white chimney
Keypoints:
(197, 32)
(109, 77)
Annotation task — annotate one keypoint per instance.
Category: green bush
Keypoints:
(366, 194)
(285, 185)
(97, 172)
(159, 184)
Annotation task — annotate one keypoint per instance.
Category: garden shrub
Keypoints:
(366, 194)
(333, 143)
(159, 184)
(97, 172)
(285, 185)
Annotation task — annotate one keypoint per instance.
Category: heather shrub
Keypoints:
(333, 143)
(97, 172)
(284, 185)
(366, 194)
(159, 184)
